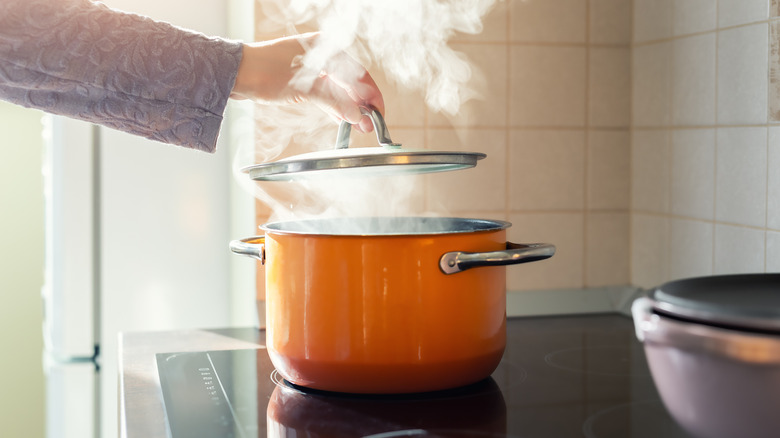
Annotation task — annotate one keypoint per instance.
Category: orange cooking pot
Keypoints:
(386, 305)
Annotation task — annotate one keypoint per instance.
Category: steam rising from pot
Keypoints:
(407, 40)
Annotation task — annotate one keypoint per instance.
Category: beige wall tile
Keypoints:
(652, 20)
(741, 186)
(693, 80)
(494, 27)
(650, 171)
(772, 251)
(693, 16)
(774, 8)
(489, 81)
(547, 170)
(693, 173)
(565, 268)
(560, 21)
(742, 75)
(735, 12)
(651, 82)
(548, 86)
(649, 250)
(607, 259)
(482, 188)
(773, 180)
(480, 214)
(738, 250)
(403, 106)
(609, 99)
(609, 167)
(610, 21)
(690, 248)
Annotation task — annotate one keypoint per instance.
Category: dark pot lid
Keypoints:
(388, 159)
(747, 301)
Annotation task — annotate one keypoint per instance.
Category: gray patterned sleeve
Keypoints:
(83, 60)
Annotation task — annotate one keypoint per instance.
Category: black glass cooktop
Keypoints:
(572, 376)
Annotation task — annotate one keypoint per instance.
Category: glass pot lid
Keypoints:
(745, 301)
(389, 158)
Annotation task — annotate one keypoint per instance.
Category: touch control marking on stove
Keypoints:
(207, 379)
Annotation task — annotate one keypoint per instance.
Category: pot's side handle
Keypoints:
(250, 247)
(456, 261)
(644, 320)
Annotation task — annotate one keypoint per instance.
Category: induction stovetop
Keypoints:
(560, 377)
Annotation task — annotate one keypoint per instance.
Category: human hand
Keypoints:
(273, 72)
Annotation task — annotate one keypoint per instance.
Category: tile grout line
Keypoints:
(715, 146)
(631, 270)
(766, 160)
(586, 155)
(705, 221)
(692, 127)
(670, 93)
(591, 128)
(766, 201)
(560, 44)
(704, 32)
(507, 109)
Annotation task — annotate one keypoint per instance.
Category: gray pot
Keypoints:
(713, 347)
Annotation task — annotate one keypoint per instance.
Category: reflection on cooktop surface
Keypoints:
(572, 376)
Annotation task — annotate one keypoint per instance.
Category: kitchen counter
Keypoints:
(561, 376)
(141, 409)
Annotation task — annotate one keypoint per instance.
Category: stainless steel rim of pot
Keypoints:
(392, 159)
(449, 263)
(384, 226)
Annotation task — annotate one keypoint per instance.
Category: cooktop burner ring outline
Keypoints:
(588, 427)
(518, 373)
(436, 433)
(549, 359)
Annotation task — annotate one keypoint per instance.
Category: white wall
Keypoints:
(21, 272)
(165, 222)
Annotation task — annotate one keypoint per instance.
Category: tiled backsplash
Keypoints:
(637, 136)
(705, 167)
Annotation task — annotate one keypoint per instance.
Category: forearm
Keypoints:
(83, 60)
